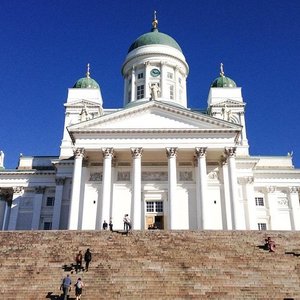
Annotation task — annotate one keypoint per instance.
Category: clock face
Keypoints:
(155, 72)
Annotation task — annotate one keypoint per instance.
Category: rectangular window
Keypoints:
(262, 226)
(150, 206)
(140, 92)
(154, 206)
(171, 91)
(259, 201)
(50, 201)
(140, 75)
(170, 75)
(47, 225)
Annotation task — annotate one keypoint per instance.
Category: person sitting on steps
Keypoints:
(270, 244)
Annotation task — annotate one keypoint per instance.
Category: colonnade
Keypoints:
(203, 214)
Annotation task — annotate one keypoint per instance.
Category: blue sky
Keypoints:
(46, 45)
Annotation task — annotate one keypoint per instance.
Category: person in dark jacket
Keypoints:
(87, 259)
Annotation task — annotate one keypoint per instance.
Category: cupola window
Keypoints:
(172, 92)
(140, 75)
(140, 91)
(170, 75)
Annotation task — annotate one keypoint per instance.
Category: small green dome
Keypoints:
(223, 81)
(86, 83)
(154, 38)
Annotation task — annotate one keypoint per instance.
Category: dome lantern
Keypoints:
(86, 82)
(223, 81)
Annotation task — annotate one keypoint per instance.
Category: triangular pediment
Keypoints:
(81, 102)
(229, 102)
(153, 116)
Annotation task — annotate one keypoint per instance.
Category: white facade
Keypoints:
(155, 159)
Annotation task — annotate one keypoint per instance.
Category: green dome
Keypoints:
(154, 38)
(223, 81)
(86, 83)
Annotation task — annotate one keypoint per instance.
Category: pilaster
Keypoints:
(57, 203)
(14, 211)
(37, 207)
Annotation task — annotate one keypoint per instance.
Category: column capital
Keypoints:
(293, 189)
(39, 189)
(171, 152)
(136, 152)
(200, 151)
(107, 152)
(230, 151)
(18, 189)
(246, 180)
(79, 152)
(271, 189)
(60, 180)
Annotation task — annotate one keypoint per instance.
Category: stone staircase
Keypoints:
(151, 264)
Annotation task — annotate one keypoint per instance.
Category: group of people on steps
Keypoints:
(67, 282)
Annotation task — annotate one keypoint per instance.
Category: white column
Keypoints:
(295, 208)
(6, 210)
(57, 202)
(133, 91)
(37, 207)
(250, 200)
(176, 84)
(106, 184)
(147, 87)
(137, 188)
(201, 189)
(162, 76)
(172, 176)
(14, 211)
(6, 195)
(76, 189)
(226, 211)
(230, 152)
(273, 208)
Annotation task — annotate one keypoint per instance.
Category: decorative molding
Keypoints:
(60, 180)
(172, 152)
(185, 176)
(293, 189)
(214, 175)
(136, 152)
(79, 152)
(123, 176)
(97, 176)
(200, 151)
(271, 189)
(154, 176)
(283, 202)
(230, 151)
(39, 189)
(18, 189)
(108, 152)
(246, 180)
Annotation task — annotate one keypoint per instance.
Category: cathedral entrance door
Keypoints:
(154, 215)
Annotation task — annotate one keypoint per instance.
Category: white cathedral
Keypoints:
(156, 159)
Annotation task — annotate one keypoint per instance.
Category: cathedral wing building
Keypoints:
(165, 165)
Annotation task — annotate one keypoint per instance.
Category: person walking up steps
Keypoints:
(78, 288)
(87, 259)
